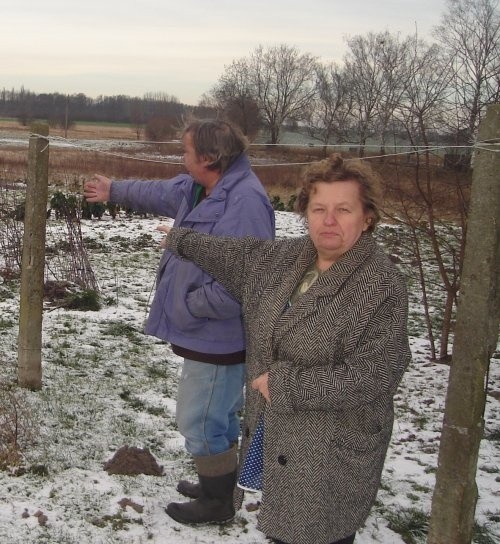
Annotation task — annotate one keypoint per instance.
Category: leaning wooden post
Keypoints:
(33, 261)
(476, 335)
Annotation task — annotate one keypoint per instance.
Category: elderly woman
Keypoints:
(325, 319)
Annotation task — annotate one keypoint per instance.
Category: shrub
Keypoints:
(276, 203)
(93, 209)
(16, 427)
(86, 300)
(481, 535)
(410, 523)
(290, 207)
(64, 205)
(161, 128)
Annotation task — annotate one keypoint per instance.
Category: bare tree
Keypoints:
(232, 97)
(377, 72)
(283, 84)
(392, 55)
(470, 35)
(365, 74)
(205, 109)
(161, 99)
(161, 128)
(137, 116)
(12, 210)
(423, 101)
(420, 110)
(330, 109)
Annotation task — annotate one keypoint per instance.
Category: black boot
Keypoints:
(193, 490)
(217, 474)
(189, 489)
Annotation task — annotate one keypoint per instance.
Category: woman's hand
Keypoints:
(261, 384)
(166, 229)
(97, 189)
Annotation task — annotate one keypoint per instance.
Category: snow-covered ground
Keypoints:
(106, 384)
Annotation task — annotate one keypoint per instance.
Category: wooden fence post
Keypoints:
(475, 339)
(33, 261)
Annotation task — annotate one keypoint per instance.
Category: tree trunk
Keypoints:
(423, 287)
(446, 326)
(476, 334)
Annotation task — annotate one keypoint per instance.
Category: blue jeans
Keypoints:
(208, 401)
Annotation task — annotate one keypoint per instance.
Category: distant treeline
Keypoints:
(64, 110)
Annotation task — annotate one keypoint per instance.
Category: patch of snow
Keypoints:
(106, 384)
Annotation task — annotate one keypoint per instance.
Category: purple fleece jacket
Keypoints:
(190, 309)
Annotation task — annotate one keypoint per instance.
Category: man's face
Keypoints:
(195, 165)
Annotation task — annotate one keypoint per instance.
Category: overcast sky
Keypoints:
(179, 47)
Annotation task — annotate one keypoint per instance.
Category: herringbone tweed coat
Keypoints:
(335, 359)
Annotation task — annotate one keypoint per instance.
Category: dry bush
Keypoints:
(448, 192)
(154, 161)
(66, 257)
(11, 230)
(70, 168)
(17, 428)
(288, 153)
(282, 180)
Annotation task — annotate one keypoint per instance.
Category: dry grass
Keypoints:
(78, 131)
(69, 167)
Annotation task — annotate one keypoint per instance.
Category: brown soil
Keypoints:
(131, 461)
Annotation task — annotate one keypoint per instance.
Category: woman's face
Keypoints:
(336, 219)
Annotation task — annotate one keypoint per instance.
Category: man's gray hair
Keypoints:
(218, 141)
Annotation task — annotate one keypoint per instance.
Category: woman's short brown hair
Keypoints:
(335, 168)
(218, 141)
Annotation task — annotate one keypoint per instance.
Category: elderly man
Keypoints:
(222, 196)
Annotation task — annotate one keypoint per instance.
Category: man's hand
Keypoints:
(97, 189)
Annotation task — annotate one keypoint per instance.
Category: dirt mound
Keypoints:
(131, 461)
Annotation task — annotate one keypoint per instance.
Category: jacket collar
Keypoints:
(231, 177)
(345, 267)
(211, 208)
(278, 318)
(332, 278)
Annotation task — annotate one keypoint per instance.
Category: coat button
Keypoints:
(281, 459)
